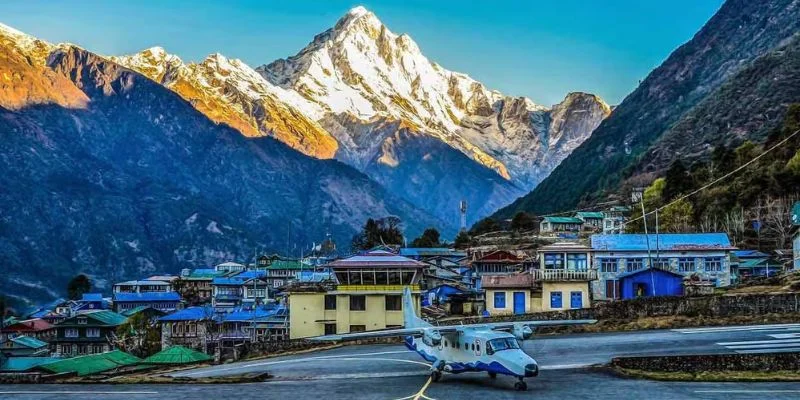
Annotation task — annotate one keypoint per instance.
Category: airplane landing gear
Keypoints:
(521, 385)
(493, 375)
(436, 375)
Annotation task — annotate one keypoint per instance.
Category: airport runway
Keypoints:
(392, 372)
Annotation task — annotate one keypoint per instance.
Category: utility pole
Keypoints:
(647, 240)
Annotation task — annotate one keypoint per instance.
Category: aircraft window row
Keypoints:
(457, 345)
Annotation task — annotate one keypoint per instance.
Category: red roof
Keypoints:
(501, 255)
(507, 281)
(31, 325)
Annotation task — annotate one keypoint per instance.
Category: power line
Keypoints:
(715, 181)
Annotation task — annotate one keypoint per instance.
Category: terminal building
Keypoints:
(367, 295)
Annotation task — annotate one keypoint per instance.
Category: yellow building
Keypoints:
(509, 294)
(367, 296)
(565, 270)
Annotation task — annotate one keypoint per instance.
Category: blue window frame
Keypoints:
(686, 265)
(577, 262)
(499, 300)
(555, 300)
(553, 261)
(576, 300)
(713, 264)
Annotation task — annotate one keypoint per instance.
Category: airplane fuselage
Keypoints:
(471, 350)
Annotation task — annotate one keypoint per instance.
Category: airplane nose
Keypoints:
(531, 370)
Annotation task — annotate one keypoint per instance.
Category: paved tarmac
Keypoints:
(392, 372)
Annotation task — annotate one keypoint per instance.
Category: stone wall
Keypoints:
(712, 362)
(708, 306)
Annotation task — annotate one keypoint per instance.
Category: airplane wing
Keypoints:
(448, 329)
(533, 324)
(386, 333)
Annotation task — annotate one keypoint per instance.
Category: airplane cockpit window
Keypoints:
(501, 344)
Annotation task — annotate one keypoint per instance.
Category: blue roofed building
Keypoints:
(192, 327)
(707, 256)
(271, 323)
(246, 287)
(162, 301)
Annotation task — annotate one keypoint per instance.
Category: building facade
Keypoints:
(703, 255)
(367, 296)
(564, 275)
(88, 333)
(560, 224)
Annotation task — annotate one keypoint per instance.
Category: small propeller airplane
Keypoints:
(489, 347)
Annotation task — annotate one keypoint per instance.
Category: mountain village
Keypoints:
(273, 303)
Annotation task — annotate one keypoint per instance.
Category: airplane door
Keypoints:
(519, 302)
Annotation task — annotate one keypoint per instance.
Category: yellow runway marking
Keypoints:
(421, 394)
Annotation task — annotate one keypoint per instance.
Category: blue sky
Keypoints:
(542, 49)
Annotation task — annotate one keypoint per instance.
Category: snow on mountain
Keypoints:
(228, 91)
(361, 69)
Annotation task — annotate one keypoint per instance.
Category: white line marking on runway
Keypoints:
(755, 342)
(765, 346)
(563, 366)
(295, 360)
(786, 335)
(71, 392)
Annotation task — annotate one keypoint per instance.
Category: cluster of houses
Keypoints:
(276, 299)
(611, 220)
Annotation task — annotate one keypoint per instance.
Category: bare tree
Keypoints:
(776, 220)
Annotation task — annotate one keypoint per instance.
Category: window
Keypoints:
(633, 264)
(713, 264)
(394, 303)
(686, 264)
(577, 262)
(358, 328)
(501, 344)
(330, 329)
(330, 301)
(499, 300)
(575, 300)
(97, 348)
(82, 349)
(662, 263)
(82, 321)
(358, 303)
(466, 346)
(612, 289)
(71, 332)
(555, 300)
(66, 349)
(608, 265)
(93, 332)
(553, 261)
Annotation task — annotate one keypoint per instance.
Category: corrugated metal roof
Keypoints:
(664, 242)
(177, 355)
(376, 258)
(431, 252)
(30, 325)
(93, 363)
(287, 264)
(92, 297)
(147, 296)
(142, 283)
(106, 317)
(22, 364)
(190, 314)
(563, 220)
(28, 341)
(590, 214)
(240, 315)
(648, 269)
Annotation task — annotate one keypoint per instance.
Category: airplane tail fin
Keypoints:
(410, 318)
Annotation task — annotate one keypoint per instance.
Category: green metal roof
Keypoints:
(93, 363)
(107, 317)
(28, 341)
(590, 214)
(177, 355)
(287, 264)
(22, 364)
(563, 220)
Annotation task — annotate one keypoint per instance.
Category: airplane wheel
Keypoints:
(493, 375)
(436, 375)
(521, 386)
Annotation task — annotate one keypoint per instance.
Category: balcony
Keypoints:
(377, 288)
(562, 275)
